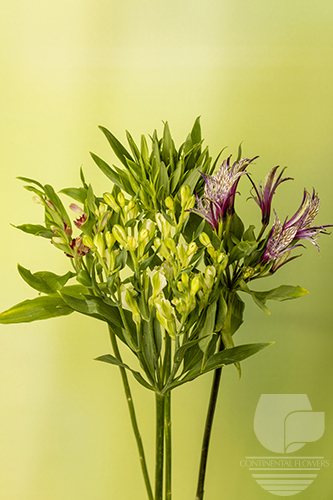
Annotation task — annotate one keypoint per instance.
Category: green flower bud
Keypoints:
(87, 241)
(121, 199)
(131, 205)
(109, 199)
(185, 192)
(100, 245)
(120, 234)
(110, 239)
(195, 284)
(185, 279)
(163, 225)
(204, 239)
(170, 203)
(58, 240)
(144, 233)
(192, 248)
(170, 243)
(158, 282)
(190, 202)
(132, 243)
(102, 209)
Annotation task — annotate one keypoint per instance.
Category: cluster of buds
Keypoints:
(186, 202)
(218, 257)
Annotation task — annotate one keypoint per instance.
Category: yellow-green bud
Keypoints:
(170, 243)
(163, 225)
(58, 240)
(185, 192)
(195, 285)
(170, 203)
(120, 234)
(87, 241)
(109, 199)
(102, 209)
(185, 279)
(121, 199)
(190, 202)
(131, 205)
(99, 243)
(38, 200)
(192, 248)
(204, 239)
(144, 233)
(110, 239)
(132, 243)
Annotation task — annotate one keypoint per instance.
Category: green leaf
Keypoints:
(208, 328)
(95, 307)
(163, 179)
(196, 132)
(117, 147)
(192, 179)
(223, 358)
(44, 281)
(31, 181)
(281, 293)
(36, 309)
(241, 250)
(249, 234)
(133, 146)
(35, 229)
(180, 353)
(78, 194)
(222, 310)
(108, 358)
(239, 153)
(54, 198)
(237, 226)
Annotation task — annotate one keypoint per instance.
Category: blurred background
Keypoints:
(259, 72)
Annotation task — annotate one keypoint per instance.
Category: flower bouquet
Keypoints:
(162, 258)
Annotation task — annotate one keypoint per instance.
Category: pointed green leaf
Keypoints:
(35, 229)
(117, 147)
(108, 358)
(54, 198)
(44, 281)
(36, 309)
(78, 194)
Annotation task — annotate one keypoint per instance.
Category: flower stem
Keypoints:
(167, 420)
(132, 415)
(160, 399)
(207, 432)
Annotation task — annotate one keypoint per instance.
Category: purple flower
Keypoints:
(298, 227)
(220, 189)
(265, 192)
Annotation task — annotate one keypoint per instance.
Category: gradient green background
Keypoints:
(259, 71)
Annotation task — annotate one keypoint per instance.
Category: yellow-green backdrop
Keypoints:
(256, 71)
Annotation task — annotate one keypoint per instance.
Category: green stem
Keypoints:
(167, 422)
(168, 446)
(208, 431)
(132, 415)
(159, 446)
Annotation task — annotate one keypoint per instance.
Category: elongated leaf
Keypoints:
(196, 132)
(78, 194)
(54, 198)
(133, 146)
(31, 181)
(180, 353)
(207, 331)
(95, 307)
(107, 170)
(108, 358)
(223, 358)
(44, 281)
(117, 147)
(35, 229)
(35, 310)
(281, 293)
